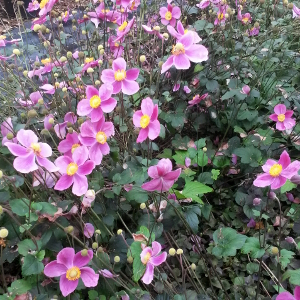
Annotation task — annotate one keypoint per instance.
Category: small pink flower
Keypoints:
(106, 273)
(74, 171)
(253, 31)
(163, 176)
(97, 102)
(66, 15)
(70, 267)
(282, 117)
(88, 230)
(203, 4)
(186, 89)
(115, 47)
(169, 14)
(251, 223)
(123, 29)
(296, 11)
(60, 129)
(33, 5)
(146, 119)
(184, 52)
(4, 42)
(68, 146)
(154, 31)
(40, 20)
(176, 87)
(197, 99)
(221, 19)
(277, 173)
(244, 18)
(48, 125)
(120, 78)
(181, 32)
(123, 3)
(29, 152)
(95, 135)
(151, 258)
(290, 240)
(88, 198)
(6, 128)
(134, 4)
(289, 296)
(32, 101)
(46, 6)
(246, 90)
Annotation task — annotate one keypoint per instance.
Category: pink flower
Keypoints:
(40, 20)
(203, 4)
(176, 87)
(154, 31)
(88, 230)
(123, 3)
(46, 6)
(94, 135)
(282, 117)
(184, 52)
(221, 19)
(33, 5)
(163, 176)
(251, 223)
(169, 14)
(151, 258)
(74, 171)
(181, 32)
(70, 267)
(134, 4)
(197, 99)
(276, 173)
(246, 90)
(48, 125)
(296, 11)
(120, 78)
(43, 177)
(30, 151)
(146, 118)
(289, 296)
(124, 28)
(245, 18)
(65, 16)
(106, 273)
(6, 128)
(33, 99)
(186, 89)
(4, 42)
(60, 129)
(97, 102)
(253, 31)
(115, 47)
(88, 198)
(69, 145)
(50, 89)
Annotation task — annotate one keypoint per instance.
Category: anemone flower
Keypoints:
(244, 18)
(181, 32)
(32, 101)
(60, 129)
(124, 28)
(7, 128)
(282, 117)
(163, 176)
(277, 173)
(70, 267)
(184, 52)
(197, 99)
(68, 146)
(146, 119)
(29, 152)
(121, 79)
(155, 30)
(74, 171)
(33, 5)
(296, 11)
(97, 102)
(289, 296)
(151, 258)
(115, 47)
(46, 6)
(169, 14)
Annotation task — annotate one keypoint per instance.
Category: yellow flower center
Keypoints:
(46, 61)
(146, 258)
(66, 13)
(275, 170)
(74, 147)
(281, 117)
(120, 75)
(245, 20)
(145, 120)
(101, 137)
(43, 3)
(89, 59)
(123, 26)
(117, 44)
(35, 147)
(2, 37)
(73, 273)
(168, 16)
(220, 16)
(105, 11)
(186, 31)
(178, 49)
(72, 169)
(132, 5)
(95, 101)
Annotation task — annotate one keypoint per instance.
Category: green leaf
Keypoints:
(285, 257)
(48, 208)
(215, 174)
(212, 85)
(252, 246)
(198, 67)
(27, 246)
(180, 156)
(31, 265)
(249, 155)
(227, 241)
(201, 158)
(194, 188)
(135, 249)
(138, 269)
(137, 194)
(19, 287)
(205, 210)
(293, 275)
(20, 206)
(252, 268)
(191, 216)
(288, 186)
(92, 295)
(199, 25)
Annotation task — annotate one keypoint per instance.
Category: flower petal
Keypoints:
(285, 296)
(96, 154)
(16, 150)
(158, 260)
(137, 118)
(62, 163)
(297, 292)
(89, 277)
(284, 160)
(168, 64)
(156, 248)
(84, 108)
(173, 175)
(143, 134)
(105, 91)
(147, 106)
(80, 260)
(80, 185)
(27, 137)
(108, 105)
(149, 274)
(91, 91)
(154, 113)
(132, 74)
(181, 62)
(80, 155)
(153, 185)
(46, 150)
(117, 85)
(129, 87)
(119, 64)
(278, 182)
(291, 170)
(176, 13)
(280, 109)
(66, 256)
(67, 286)
(54, 269)
(154, 130)
(47, 164)
(268, 164)
(197, 53)
(25, 164)
(64, 182)
(263, 180)
(289, 123)
(108, 76)
(87, 168)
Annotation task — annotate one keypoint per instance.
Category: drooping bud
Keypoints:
(272, 195)
(295, 179)
(256, 201)
(290, 240)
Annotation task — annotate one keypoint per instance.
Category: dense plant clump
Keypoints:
(151, 152)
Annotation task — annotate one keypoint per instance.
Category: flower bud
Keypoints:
(130, 259)
(256, 201)
(100, 62)
(80, 121)
(25, 73)
(74, 27)
(95, 246)
(41, 101)
(172, 251)
(285, 2)
(256, 25)
(272, 195)
(32, 113)
(51, 121)
(63, 59)
(74, 12)
(142, 206)
(69, 54)
(100, 250)
(101, 51)
(97, 82)
(70, 130)
(45, 111)
(1, 174)
(45, 132)
(165, 35)
(83, 32)
(46, 44)
(36, 27)
(90, 70)
(179, 251)
(160, 64)
(193, 266)
(16, 52)
(100, 47)
(3, 233)
(84, 252)
(1, 208)
(55, 75)
(120, 231)
(290, 240)
(98, 231)
(10, 136)
(274, 250)
(290, 197)
(117, 259)
(110, 62)
(142, 58)
(156, 28)
(69, 229)
(295, 179)
(80, 54)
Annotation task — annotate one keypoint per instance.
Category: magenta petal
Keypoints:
(288, 114)
(268, 164)
(64, 182)
(285, 296)
(173, 175)
(89, 230)
(108, 105)
(176, 13)
(172, 22)
(87, 168)
(84, 108)
(80, 155)
(164, 166)
(80, 185)
(187, 40)
(62, 163)
(16, 150)
(129, 87)
(153, 185)
(163, 11)
(96, 114)
(117, 85)
(108, 76)
(154, 130)
(80, 260)
(297, 292)
(156, 248)
(158, 260)
(142, 135)
(274, 117)
(168, 64)
(132, 74)
(289, 123)
(173, 32)
(66, 256)
(119, 64)
(47, 164)
(197, 53)
(137, 118)
(149, 274)
(280, 126)
(27, 137)
(164, 21)
(147, 106)
(104, 148)
(291, 170)
(181, 62)
(106, 273)
(105, 91)
(263, 180)
(67, 286)
(108, 128)
(87, 129)
(278, 182)
(284, 160)
(54, 269)
(96, 154)
(89, 277)
(154, 113)
(91, 91)
(25, 164)
(280, 109)
(152, 172)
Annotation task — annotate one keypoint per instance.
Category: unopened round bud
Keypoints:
(74, 12)
(98, 231)
(63, 59)
(36, 27)
(95, 246)
(59, 18)
(117, 259)
(10, 136)
(142, 58)
(69, 54)
(142, 206)
(83, 32)
(80, 121)
(61, 25)
(69, 229)
(256, 24)
(272, 195)
(90, 70)
(64, 89)
(100, 62)
(80, 54)
(46, 44)
(101, 51)
(51, 121)
(3, 233)
(16, 52)
(256, 201)
(229, 10)
(156, 28)
(100, 47)
(290, 5)
(285, 2)
(1, 210)
(25, 73)
(20, 69)
(45, 132)
(274, 250)
(77, 79)
(41, 101)
(290, 240)
(45, 111)
(84, 252)
(32, 113)
(55, 75)
(23, 115)
(74, 27)
(1, 174)
(204, 149)
(165, 35)
(47, 30)
(130, 259)
(172, 251)
(193, 266)
(179, 251)
(56, 84)
(100, 250)
(97, 82)
(110, 62)
(70, 130)
(120, 231)
(160, 64)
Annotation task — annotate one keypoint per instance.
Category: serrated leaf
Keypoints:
(288, 186)
(252, 246)
(27, 246)
(293, 275)
(194, 188)
(31, 265)
(249, 155)
(19, 206)
(285, 257)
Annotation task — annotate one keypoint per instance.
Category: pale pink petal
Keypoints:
(107, 273)
(47, 164)
(158, 260)
(16, 150)
(67, 286)
(108, 105)
(84, 108)
(129, 87)
(108, 76)
(143, 134)
(80, 260)
(181, 62)
(66, 256)
(96, 154)
(91, 91)
(62, 163)
(156, 248)
(70, 117)
(46, 150)
(108, 128)
(87, 129)
(137, 118)
(25, 164)
(87, 168)
(26, 137)
(176, 13)
(173, 175)
(168, 64)
(164, 21)
(172, 22)
(284, 160)
(280, 126)
(163, 11)
(60, 130)
(152, 172)
(64, 182)
(80, 155)
(263, 180)
(164, 166)
(104, 148)
(147, 106)
(119, 64)
(89, 277)
(117, 85)
(278, 182)
(280, 109)
(54, 269)
(80, 185)
(274, 117)
(132, 74)
(291, 170)
(289, 123)
(180, 28)
(268, 164)
(154, 130)
(96, 114)
(153, 185)
(173, 32)
(145, 252)
(105, 91)
(187, 40)
(89, 230)
(149, 274)
(197, 53)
